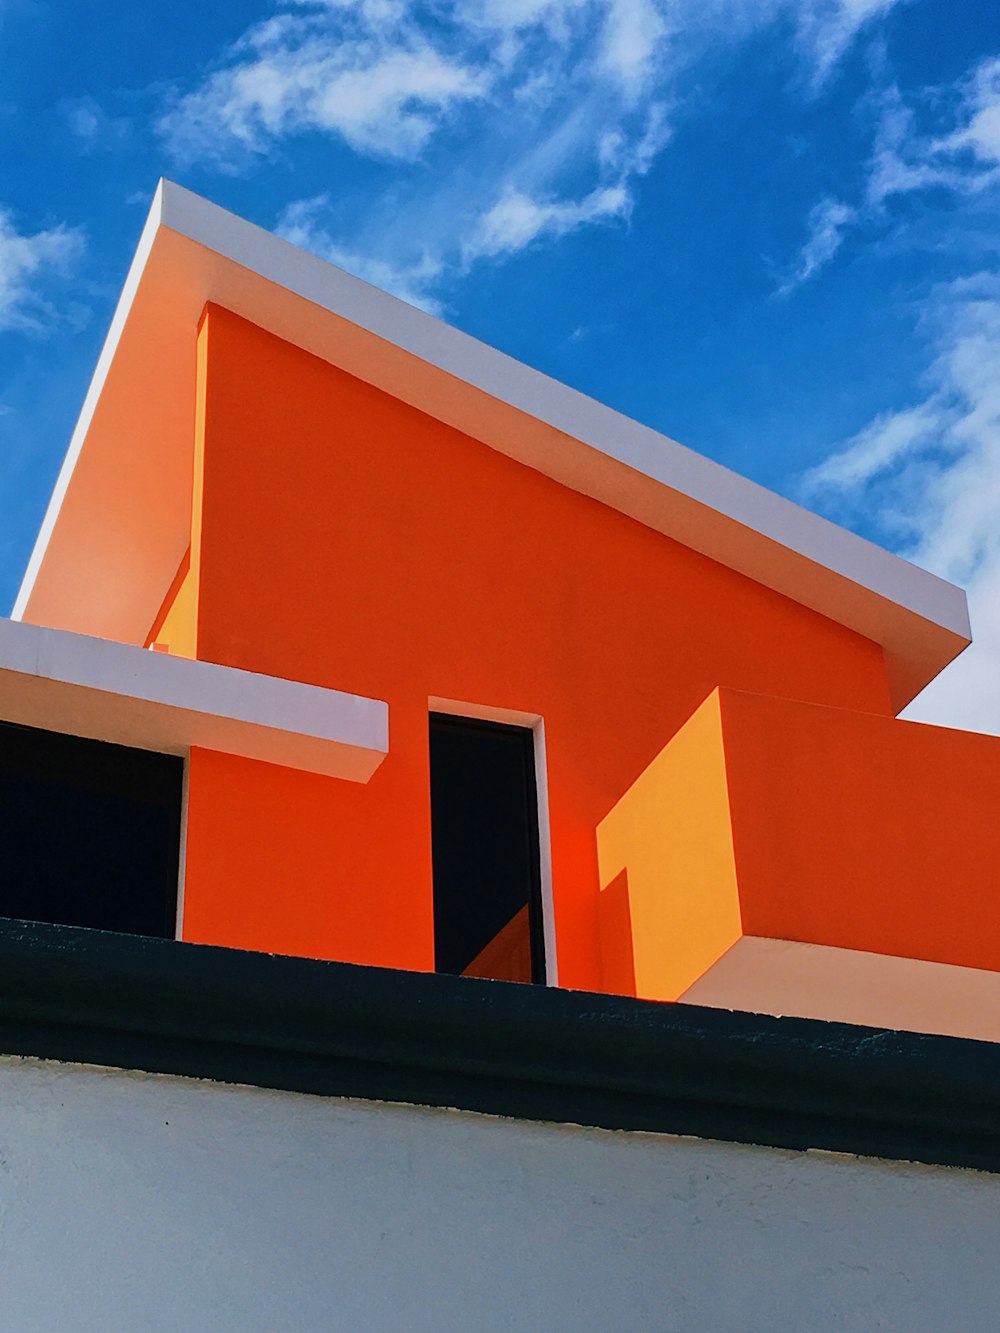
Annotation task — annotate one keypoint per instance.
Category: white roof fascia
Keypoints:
(60, 681)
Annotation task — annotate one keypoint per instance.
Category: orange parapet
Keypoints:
(780, 821)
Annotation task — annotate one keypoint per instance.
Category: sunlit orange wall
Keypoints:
(350, 541)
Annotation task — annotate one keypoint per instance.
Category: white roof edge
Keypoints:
(565, 409)
(61, 681)
(142, 252)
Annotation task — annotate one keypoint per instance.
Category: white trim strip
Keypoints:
(68, 682)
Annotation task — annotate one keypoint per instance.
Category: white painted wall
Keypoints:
(139, 1203)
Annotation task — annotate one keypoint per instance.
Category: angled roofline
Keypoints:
(192, 253)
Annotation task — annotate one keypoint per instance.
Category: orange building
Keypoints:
(470, 673)
(353, 656)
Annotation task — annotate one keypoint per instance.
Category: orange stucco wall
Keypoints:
(798, 821)
(864, 832)
(348, 540)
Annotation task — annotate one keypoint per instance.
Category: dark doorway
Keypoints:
(484, 824)
(91, 832)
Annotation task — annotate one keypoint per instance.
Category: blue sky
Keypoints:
(769, 228)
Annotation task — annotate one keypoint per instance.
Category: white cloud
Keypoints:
(981, 133)
(506, 122)
(634, 155)
(92, 127)
(826, 28)
(899, 162)
(828, 223)
(516, 219)
(385, 74)
(963, 161)
(630, 43)
(302, 224)
(932, 473)
(360, 71)
(382, 77)
(885, 442)
(26, 262)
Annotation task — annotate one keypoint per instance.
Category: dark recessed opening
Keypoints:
(91, 832)
(484, 823)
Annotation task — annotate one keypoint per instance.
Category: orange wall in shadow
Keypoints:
(350, 541)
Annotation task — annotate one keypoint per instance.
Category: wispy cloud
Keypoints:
(960, 156)
(828, 223)
(965, 158)
(27, 262)
(826, 28)
(981, 134)
(630, 43)
(92, 127)
(931, 472)
(302, 224)
(516, 220)
(885, 443)
(363, 71)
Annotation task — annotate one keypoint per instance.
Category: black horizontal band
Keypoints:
(525, 1051)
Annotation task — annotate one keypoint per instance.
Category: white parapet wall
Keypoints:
(136, 1202)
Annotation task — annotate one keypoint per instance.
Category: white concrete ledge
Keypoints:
(786, 977)
(68, 682)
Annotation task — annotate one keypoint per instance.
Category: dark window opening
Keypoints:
(91, 832)
(484, 826)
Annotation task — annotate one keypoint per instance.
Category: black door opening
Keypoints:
(91, 832)
(484, 826)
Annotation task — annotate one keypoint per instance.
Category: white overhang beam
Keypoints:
(60, 681)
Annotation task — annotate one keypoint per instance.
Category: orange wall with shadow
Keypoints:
(343, 538)
(794, 821)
